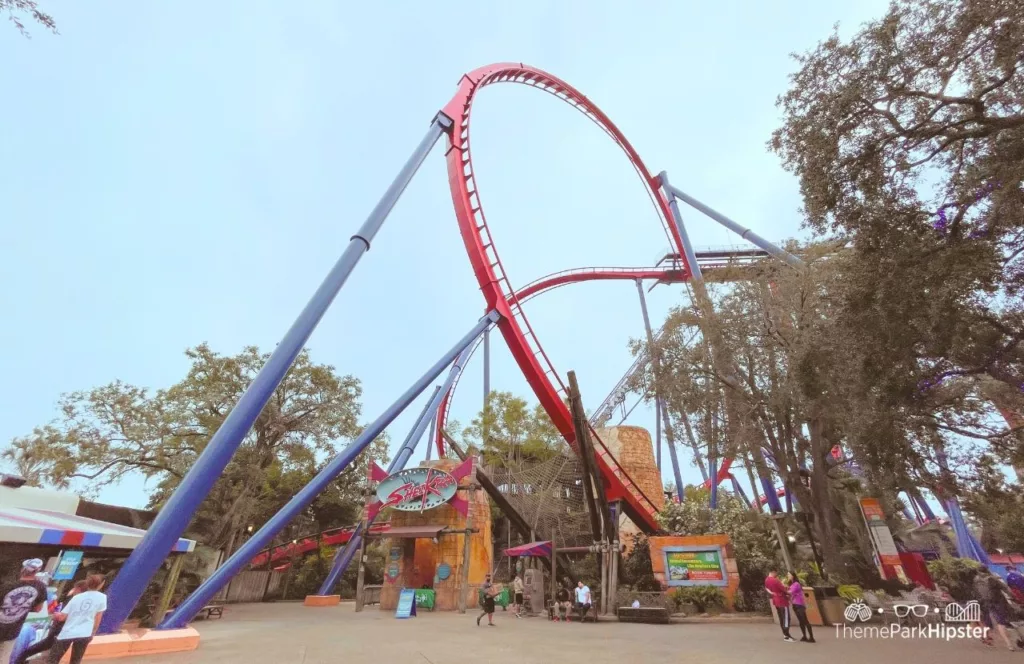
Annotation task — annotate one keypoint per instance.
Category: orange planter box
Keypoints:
(322, 600)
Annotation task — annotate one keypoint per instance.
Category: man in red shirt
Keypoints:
(780, 600)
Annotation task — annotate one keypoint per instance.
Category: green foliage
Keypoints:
(637, 571)
(996, 505)
(906, 138)
(850, 592)
(702, 597)
(955, 575)
(510, 433)
(750, 532)
(110, 432)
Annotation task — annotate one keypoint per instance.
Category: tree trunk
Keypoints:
(821, 498)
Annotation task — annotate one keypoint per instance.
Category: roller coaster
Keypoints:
(505, 311)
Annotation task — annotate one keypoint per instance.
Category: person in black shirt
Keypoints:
(17, 600)
(563, 603)
(489, 591)
(55, 627)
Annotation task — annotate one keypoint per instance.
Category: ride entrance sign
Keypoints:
(406, 604)
(416, 489)
(695, 566)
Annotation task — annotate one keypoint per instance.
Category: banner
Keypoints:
(886, 552)
(695, 567)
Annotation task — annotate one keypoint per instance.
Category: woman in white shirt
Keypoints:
(81, 618)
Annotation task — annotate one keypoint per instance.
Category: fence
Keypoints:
(251, 586)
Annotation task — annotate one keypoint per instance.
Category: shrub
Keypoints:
(851, 593)
(702, 597)
(955, 575)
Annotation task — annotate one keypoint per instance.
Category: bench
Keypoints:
(211, 610)
(652, 615)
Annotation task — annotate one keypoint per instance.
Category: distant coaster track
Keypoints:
(492, 277)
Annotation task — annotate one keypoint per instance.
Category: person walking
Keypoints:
(583, 599)
(517, 595)
(991, 594)
(81, 619)
(796, 595)
(55, 627)
(1015, 581)
(17, 600)
(780, 600)
(489, 591)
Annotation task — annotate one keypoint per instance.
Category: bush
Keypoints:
(702, 597)
(752, 595)
(851, 593)
(955, 575)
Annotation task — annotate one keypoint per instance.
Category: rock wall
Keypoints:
(634, 450)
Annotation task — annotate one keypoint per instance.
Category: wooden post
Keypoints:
(270, 572)
(471, 498)
(167, 593)
(601, 608)
(554, 574)
(361, 570)
(613, 575)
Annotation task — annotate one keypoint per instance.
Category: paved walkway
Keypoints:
(289, 633)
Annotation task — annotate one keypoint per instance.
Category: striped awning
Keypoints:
(531, 550)
(20, 525)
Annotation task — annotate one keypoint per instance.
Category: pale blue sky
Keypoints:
(180, 172)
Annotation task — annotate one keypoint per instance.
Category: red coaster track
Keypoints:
(493, 279)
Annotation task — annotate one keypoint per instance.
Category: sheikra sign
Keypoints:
(418, 489)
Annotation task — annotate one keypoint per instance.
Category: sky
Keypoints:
(188, 172)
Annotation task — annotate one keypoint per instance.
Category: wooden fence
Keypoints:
(251, 586)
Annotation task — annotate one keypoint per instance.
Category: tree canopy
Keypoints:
(900, 340)
(17, 10)
(107, 433)
(509, 433)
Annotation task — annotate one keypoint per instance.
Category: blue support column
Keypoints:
(738, 488)
(408, 445)
(197, 600)
(431, 435)
(926, 509)
(742, 231)
(343, 558)
(175, 516)
(487, 366)
(677, 219)
(656, 366)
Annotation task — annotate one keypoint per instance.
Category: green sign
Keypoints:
(694, 567)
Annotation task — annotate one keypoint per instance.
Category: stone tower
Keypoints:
(633, 449)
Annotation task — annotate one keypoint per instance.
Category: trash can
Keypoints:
(813, 610)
